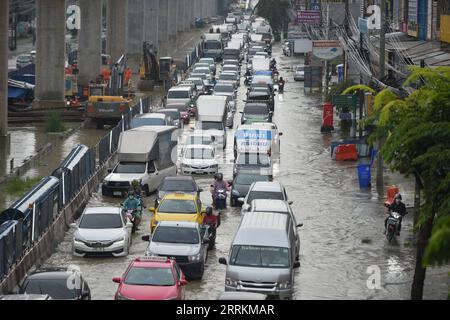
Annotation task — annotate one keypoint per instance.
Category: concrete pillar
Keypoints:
(163, 22)
(4, 14)
(180, 16)
(173, 21)
(151, 21)
(187, 14)
(90, 41)
(50, 53)
(116, 24)
(204, 8)
(135, 27)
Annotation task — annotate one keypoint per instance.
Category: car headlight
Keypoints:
(121, 297)
(284, 285)
(120, 239)
(235, 193)
(195, 257)
(230, 282)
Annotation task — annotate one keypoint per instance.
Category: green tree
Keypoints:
(274, 11)
(417, 133)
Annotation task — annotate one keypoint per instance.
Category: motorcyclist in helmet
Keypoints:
(396, 206)
(210, 218)
(281, 84)
(219, 183)
(133, 203)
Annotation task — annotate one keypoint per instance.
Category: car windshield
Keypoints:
(259, 256)
(140, 276)
(199, 75)
(264, 195)
(173, 114)
(130, 167)
(199, 153)
(212, 45)
(166, 234)
(248, 179)
(24, 58)
(260, 159)
(179, 185)
(300, 68)
(206, 60)
(178, 94)
(197, 82)
(207, 125)
(227, 77)
(205, 140)
(177, 206)
(256, 109)
(202, 71)
(139, 122)
(222, 88)
(101, 221)
(55, 288)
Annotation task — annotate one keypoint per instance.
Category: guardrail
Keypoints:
(53, 203)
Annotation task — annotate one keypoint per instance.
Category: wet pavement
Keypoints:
(341, 239)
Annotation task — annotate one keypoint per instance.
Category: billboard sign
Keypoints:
(309, 16)
(326, 49)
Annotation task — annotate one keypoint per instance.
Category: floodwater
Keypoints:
(341, 240)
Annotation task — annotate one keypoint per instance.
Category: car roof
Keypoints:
(168, 110)
(241, 295)
(152, 115)
(179, 178)
(204, 133)
(51, 273)
(180, 196)
(229, 72)
(150, 261)
(271, 186)
(256, 104)
(272, 205)
(99, 209)
(227, 84)
(179, 88)
(231, 66)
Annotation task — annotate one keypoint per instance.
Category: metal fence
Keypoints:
(18, 234)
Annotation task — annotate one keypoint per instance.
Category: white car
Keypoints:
(269, 190)
(199, 159)
(299, 73)
(102, 230)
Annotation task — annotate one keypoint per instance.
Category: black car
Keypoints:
(256, 112)
(185, 184)
(261, 94)
(241, 185)
(58, 283)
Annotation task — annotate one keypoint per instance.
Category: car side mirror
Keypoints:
(296, 264)
(200, 190)
(129, 225)
(109, 170)
(85, 294)
(299, 225)
(73, 225)
(152, 210)
(146, 238)
(117, 279)
(290, 202)
(280, 133)
(183, 282)
(206, 241)
(223, 260)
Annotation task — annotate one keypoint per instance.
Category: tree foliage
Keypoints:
(417, 132)
(274, 11)
(358, 87)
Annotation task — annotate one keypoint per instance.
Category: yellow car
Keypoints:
(178, 207)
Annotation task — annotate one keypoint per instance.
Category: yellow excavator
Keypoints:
(153, 72)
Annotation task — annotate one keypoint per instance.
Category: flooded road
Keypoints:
(342, 233)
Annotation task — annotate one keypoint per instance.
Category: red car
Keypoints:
(151, 278)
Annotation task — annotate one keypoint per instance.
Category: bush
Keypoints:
(54, 123)
(19, 186)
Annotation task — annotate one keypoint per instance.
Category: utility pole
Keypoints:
(326, 61)
(380, 182)
(347, 30)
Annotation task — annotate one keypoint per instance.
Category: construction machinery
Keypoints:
(108, 99)
(153, 72)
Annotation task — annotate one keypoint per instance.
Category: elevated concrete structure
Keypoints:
(181, 15)
(117, 25)
(163, 22)
(4, 13)
(135, 27)
(50, 53)
(151, 23)
(90, 41)
(173, 21)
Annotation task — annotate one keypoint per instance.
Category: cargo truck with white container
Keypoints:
(213, 46)
(145, 154)
(212, 116)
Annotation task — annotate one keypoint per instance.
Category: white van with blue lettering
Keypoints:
(257, 137)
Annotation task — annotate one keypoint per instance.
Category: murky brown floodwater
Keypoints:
(342, 233)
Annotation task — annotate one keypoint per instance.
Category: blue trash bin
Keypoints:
(364, 175)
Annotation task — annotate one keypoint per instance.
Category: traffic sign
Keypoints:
(345, 100)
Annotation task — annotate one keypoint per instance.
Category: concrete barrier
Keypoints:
(45, 246)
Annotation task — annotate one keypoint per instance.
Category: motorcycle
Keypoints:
(221, 199)
(132, 218)
(247, 80)
(212, 229)
(280, 87)
(392, 225)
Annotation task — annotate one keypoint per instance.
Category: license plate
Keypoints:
(198, 171)
(117, 193)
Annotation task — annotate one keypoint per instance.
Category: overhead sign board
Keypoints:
(327, 49)
(309, 16)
